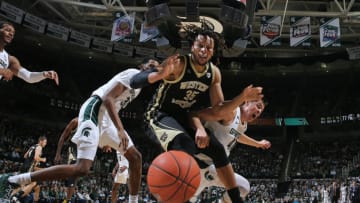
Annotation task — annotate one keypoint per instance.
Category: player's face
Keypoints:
(253, 110)
(43, 143)
(151, 64)
(202, 50)
(7, 33)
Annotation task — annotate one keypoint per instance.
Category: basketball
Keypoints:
(173, 177)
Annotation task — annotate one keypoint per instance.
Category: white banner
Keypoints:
(102, 45)
(57, 31)
(35, 23)
(300, 31)
(148, 32)
(330, 32)
(270, 30)
(11, 12)
(123, 49)
(123, 27)
(79, 38)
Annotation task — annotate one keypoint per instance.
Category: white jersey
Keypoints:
(4, 60)
(98, 129)
(121, 177)
(228, 135)
(125, 98)
(122, 160)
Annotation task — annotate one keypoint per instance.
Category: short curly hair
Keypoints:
(2, 23)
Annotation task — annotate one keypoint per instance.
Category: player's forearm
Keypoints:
(244, 139)
(30, 77)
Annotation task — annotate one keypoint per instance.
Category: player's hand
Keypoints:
(57, 159)
(264, 144)
(253, 93)
(201, 138)
(169, 64)
(124, 140)
(113, 173)
(52, 75)
(7, 74)
(122, 168)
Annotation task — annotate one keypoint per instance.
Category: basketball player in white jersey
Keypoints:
(10, 65)
(120, 175)
(100, 125)
(229, 128)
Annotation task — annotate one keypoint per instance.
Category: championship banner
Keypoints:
(102, 45)
(330, 32)
(270, 30)
(300, 31)
(144, 52)
(148, 32)
(80, 39)
(11, 12)
(123, 49)
(35, 23)
(122, 27)
(57, 31)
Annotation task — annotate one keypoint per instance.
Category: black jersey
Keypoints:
(189, 92)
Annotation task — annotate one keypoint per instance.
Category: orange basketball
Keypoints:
(173, 177)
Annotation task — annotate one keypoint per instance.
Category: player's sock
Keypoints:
(21, 179)
(133, 199)
(234, 195)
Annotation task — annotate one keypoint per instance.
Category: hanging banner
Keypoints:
(330, 32)
(300, 31)
(122, 27)
(102, 45)
(270, 30)
(148, 32)
(11, 12)
(123, 49)
(80, 39)
(57, 31)
(35, 23)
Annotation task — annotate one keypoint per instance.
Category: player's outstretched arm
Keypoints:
(148, 77)
(31, 77)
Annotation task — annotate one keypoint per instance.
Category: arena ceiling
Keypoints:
(95, 17)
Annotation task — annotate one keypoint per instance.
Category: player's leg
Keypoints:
(110, 137)
(115, 192)
(70, 188)
(224, 169)
(207, 180)
(171, 135)
(36, 189)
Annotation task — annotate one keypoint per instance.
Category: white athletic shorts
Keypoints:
(89, 137)
(121, 177)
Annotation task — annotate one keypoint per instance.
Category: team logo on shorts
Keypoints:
(164, 137)
(86, 132)
(208, 176)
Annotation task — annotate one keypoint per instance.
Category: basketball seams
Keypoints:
(176, 165)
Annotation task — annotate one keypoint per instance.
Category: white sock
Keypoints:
(133, 199)
(21, 179)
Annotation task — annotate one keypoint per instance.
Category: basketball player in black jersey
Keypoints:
(65, 139)
(191, 83)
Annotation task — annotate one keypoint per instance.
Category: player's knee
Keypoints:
(81, 170)
(218, 154)
(133, 156)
